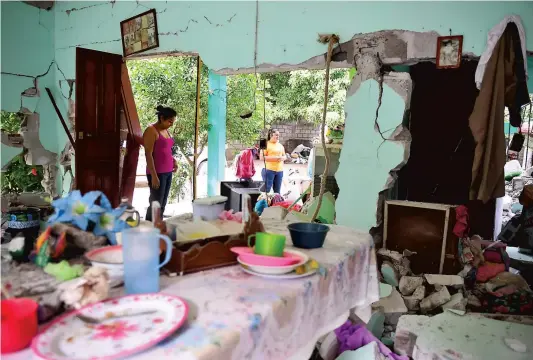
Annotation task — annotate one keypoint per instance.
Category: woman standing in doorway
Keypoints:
(274, 156)
(159, 160)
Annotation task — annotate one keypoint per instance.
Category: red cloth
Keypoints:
(245, 165)
(489, 270)
(461, 228)
(286, 204)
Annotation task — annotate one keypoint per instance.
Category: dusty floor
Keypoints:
(142, 192)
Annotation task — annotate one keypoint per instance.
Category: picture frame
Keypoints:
(139, 33)
(449, 51)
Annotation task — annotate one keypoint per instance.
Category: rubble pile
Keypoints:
(513, 189)
(425, 294)
(486, 284)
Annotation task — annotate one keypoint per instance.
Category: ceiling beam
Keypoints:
(45, 5)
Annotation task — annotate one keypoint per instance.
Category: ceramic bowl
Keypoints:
(108, 257)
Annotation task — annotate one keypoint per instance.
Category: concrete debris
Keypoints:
(376, 324)
(384, 290)
(412, 302)
(274, 212)
(516, 345)
(392, 306)
(391, 255)
(408, 284)
(473, 301)
(390, 275)
(368, 352)
(450, 336)
(446, 280)
(457, 302)
(435, 300)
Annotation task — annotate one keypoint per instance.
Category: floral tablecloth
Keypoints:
(234, 315)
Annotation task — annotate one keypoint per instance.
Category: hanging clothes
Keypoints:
(492, 39)
(499, 88)
(245, 165)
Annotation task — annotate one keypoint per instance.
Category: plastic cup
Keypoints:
(19, 324)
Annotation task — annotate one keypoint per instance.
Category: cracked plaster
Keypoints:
(226, 46)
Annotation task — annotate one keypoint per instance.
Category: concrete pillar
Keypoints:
(216, 117)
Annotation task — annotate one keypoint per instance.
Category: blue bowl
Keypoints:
(308, 235)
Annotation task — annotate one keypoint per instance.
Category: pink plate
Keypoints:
(247, 255)
(68, 338)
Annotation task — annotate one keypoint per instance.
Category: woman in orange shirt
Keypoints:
(274, 156)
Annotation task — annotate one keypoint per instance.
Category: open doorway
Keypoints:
(291, 102)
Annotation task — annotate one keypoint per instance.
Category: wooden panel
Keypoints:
(134, 140)
(421, 228)
(98, 103)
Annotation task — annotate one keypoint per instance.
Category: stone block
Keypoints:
(412, 302)
(408, 284)
(457, 302)
(435, 300)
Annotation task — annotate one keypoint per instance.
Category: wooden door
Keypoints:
(98, 104)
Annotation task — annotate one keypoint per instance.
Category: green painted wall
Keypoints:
(222, 32)
(28, 52)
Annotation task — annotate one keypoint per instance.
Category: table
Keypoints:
(234, 315)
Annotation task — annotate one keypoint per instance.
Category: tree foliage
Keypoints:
(11, 122)
(279, 97)
(20, 177)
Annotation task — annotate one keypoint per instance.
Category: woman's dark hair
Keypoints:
(164, 113)
(270, 133)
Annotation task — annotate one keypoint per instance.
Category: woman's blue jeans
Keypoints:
(272, 178)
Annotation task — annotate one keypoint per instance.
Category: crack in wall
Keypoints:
(41, 24)
(87, 7)
(216, 24)
(91, 43)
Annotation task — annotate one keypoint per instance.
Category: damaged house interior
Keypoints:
(396, 225)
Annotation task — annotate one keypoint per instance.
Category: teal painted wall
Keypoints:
(222, 32)
(28, 51)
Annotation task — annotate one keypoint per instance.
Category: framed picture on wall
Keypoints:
(449, 51)
(139, 33)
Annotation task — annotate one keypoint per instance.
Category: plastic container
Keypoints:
(308, 235)
(19, 324)
(208, 208)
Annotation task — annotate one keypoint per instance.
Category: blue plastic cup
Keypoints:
(140, 246)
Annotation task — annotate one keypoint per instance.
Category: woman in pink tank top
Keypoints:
(160, 162)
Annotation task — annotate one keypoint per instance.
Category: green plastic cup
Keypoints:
(268, 244)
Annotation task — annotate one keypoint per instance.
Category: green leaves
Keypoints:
(171, 81)
(19, 177)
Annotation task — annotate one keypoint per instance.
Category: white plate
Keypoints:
(68, 338)
(275, 270)
(282, 276)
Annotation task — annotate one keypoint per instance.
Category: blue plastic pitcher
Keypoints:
(140, 246)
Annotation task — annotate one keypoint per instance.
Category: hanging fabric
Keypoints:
(245, 165)
(492, 39)
(498, 89)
